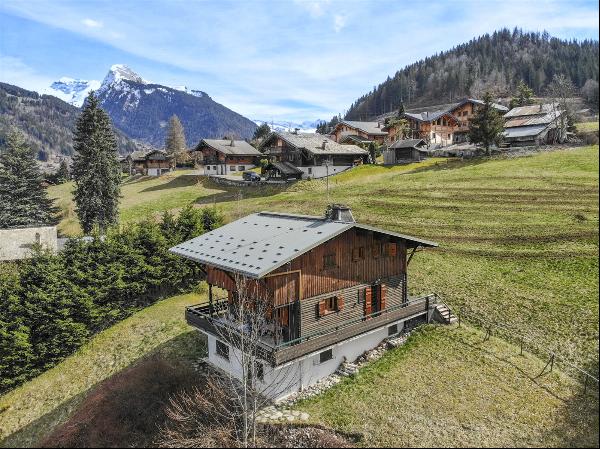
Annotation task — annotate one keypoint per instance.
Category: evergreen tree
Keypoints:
(62, 174)
(261, 132)
(175, 142)
(24, 201)
(523, 97)
(487, 124)
(96, 168)
(401, 109)
(373, 152)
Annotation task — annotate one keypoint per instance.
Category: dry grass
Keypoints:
(32, 410)
(446, 388)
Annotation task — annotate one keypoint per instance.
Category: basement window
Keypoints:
(325, 356)
(222, 350)
(392, 330)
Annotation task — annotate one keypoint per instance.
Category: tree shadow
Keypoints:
(451, 164)
(122, 409)
(176, 182)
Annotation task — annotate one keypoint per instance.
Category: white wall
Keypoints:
(298, 374)
(17, 243)
(320, 171)
(225, 169)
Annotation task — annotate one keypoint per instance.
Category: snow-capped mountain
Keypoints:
(306, 126)
(72, 90)
(142, 109)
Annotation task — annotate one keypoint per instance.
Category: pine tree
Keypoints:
(96, 169)
(24, 201)
(261, 132)
(175, 141)
(487, 124)
(401, 109)
(523, 97)
(62, 174)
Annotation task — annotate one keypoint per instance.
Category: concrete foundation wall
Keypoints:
(281, 381)
(17, 243)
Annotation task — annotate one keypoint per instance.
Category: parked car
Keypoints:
(250, 176)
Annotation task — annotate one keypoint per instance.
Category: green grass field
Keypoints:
(587, 126)
(31, 411)
(447, 388)
(518, 245)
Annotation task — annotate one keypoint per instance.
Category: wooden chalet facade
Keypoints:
(443, 125)
(405, 151)
(535, 125)
(314, 154)
(334, 287)
(226, 156)
(366, 131)
(150, 162)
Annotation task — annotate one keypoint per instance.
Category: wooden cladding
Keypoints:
(375, 299)
(368, 300)
(354, 260)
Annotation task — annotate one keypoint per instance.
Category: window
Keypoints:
(260, 371)
(214, 167)
(222, 350)
(232, 168)
(392, 249)
(330, 305)
(310, 170)
(392, 330)
(361, 294)
(241, 168)
(326, 356)
(375, 250)
(329, 260)
(358, 253)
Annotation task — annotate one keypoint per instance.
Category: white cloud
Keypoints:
(339, 22)
(14, 71)
(315, 8)
(91, 23)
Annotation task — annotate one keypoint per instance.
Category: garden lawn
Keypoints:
(447, 388)
(31, 411)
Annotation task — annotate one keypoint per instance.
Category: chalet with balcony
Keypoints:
(334, 288)
(352, 132)
(443, 125)
(226, 156)
(148, 162)
(316, 155)
(535, 125)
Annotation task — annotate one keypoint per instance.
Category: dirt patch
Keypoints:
(309, 436)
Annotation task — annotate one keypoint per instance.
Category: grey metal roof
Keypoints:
(286, 168)
(407, 143)
(239, 147)
(524, 131)
(142, 155)
(260, 243)
(374, 128)
(315, 143)
(534, 109)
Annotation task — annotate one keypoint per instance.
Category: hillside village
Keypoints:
(427, 276)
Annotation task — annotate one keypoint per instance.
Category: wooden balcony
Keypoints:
(211, 319)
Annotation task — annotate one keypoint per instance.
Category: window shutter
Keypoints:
(392, 249)
(339, 304)
(321, 308)
(383, 292)
(368, 298)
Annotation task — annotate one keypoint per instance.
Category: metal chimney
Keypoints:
(339, 212)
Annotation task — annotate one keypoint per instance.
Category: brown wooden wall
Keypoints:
(347, 272)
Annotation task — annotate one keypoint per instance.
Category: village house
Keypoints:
(227, 156)
(534, 125)
(317, 156)
(404, 151)
(357, 133)
(148, 162)
(334, 288)
(442, 125)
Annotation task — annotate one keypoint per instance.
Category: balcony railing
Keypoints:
(214, 319)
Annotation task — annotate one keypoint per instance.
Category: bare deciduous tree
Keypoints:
(561, 91)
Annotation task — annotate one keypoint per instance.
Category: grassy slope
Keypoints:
(445, 388)
(518, 237)
(36, 407)
(587, 126)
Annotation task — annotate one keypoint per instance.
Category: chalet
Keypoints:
(443, 124)
(366, 132)
(226, 156)
(150, 162)
(534, 125)
(404, 151)
(315, 155)
(335, 288)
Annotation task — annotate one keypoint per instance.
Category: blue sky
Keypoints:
(280, 60)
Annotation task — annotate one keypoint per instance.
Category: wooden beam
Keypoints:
(411, 255)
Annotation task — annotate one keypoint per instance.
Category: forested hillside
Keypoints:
(495, 62)
(46, 121)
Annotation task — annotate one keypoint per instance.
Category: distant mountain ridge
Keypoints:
(46, 121)
(141, 108)
(495, 62)
(305, 126)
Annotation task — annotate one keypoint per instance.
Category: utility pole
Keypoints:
(327, 177)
